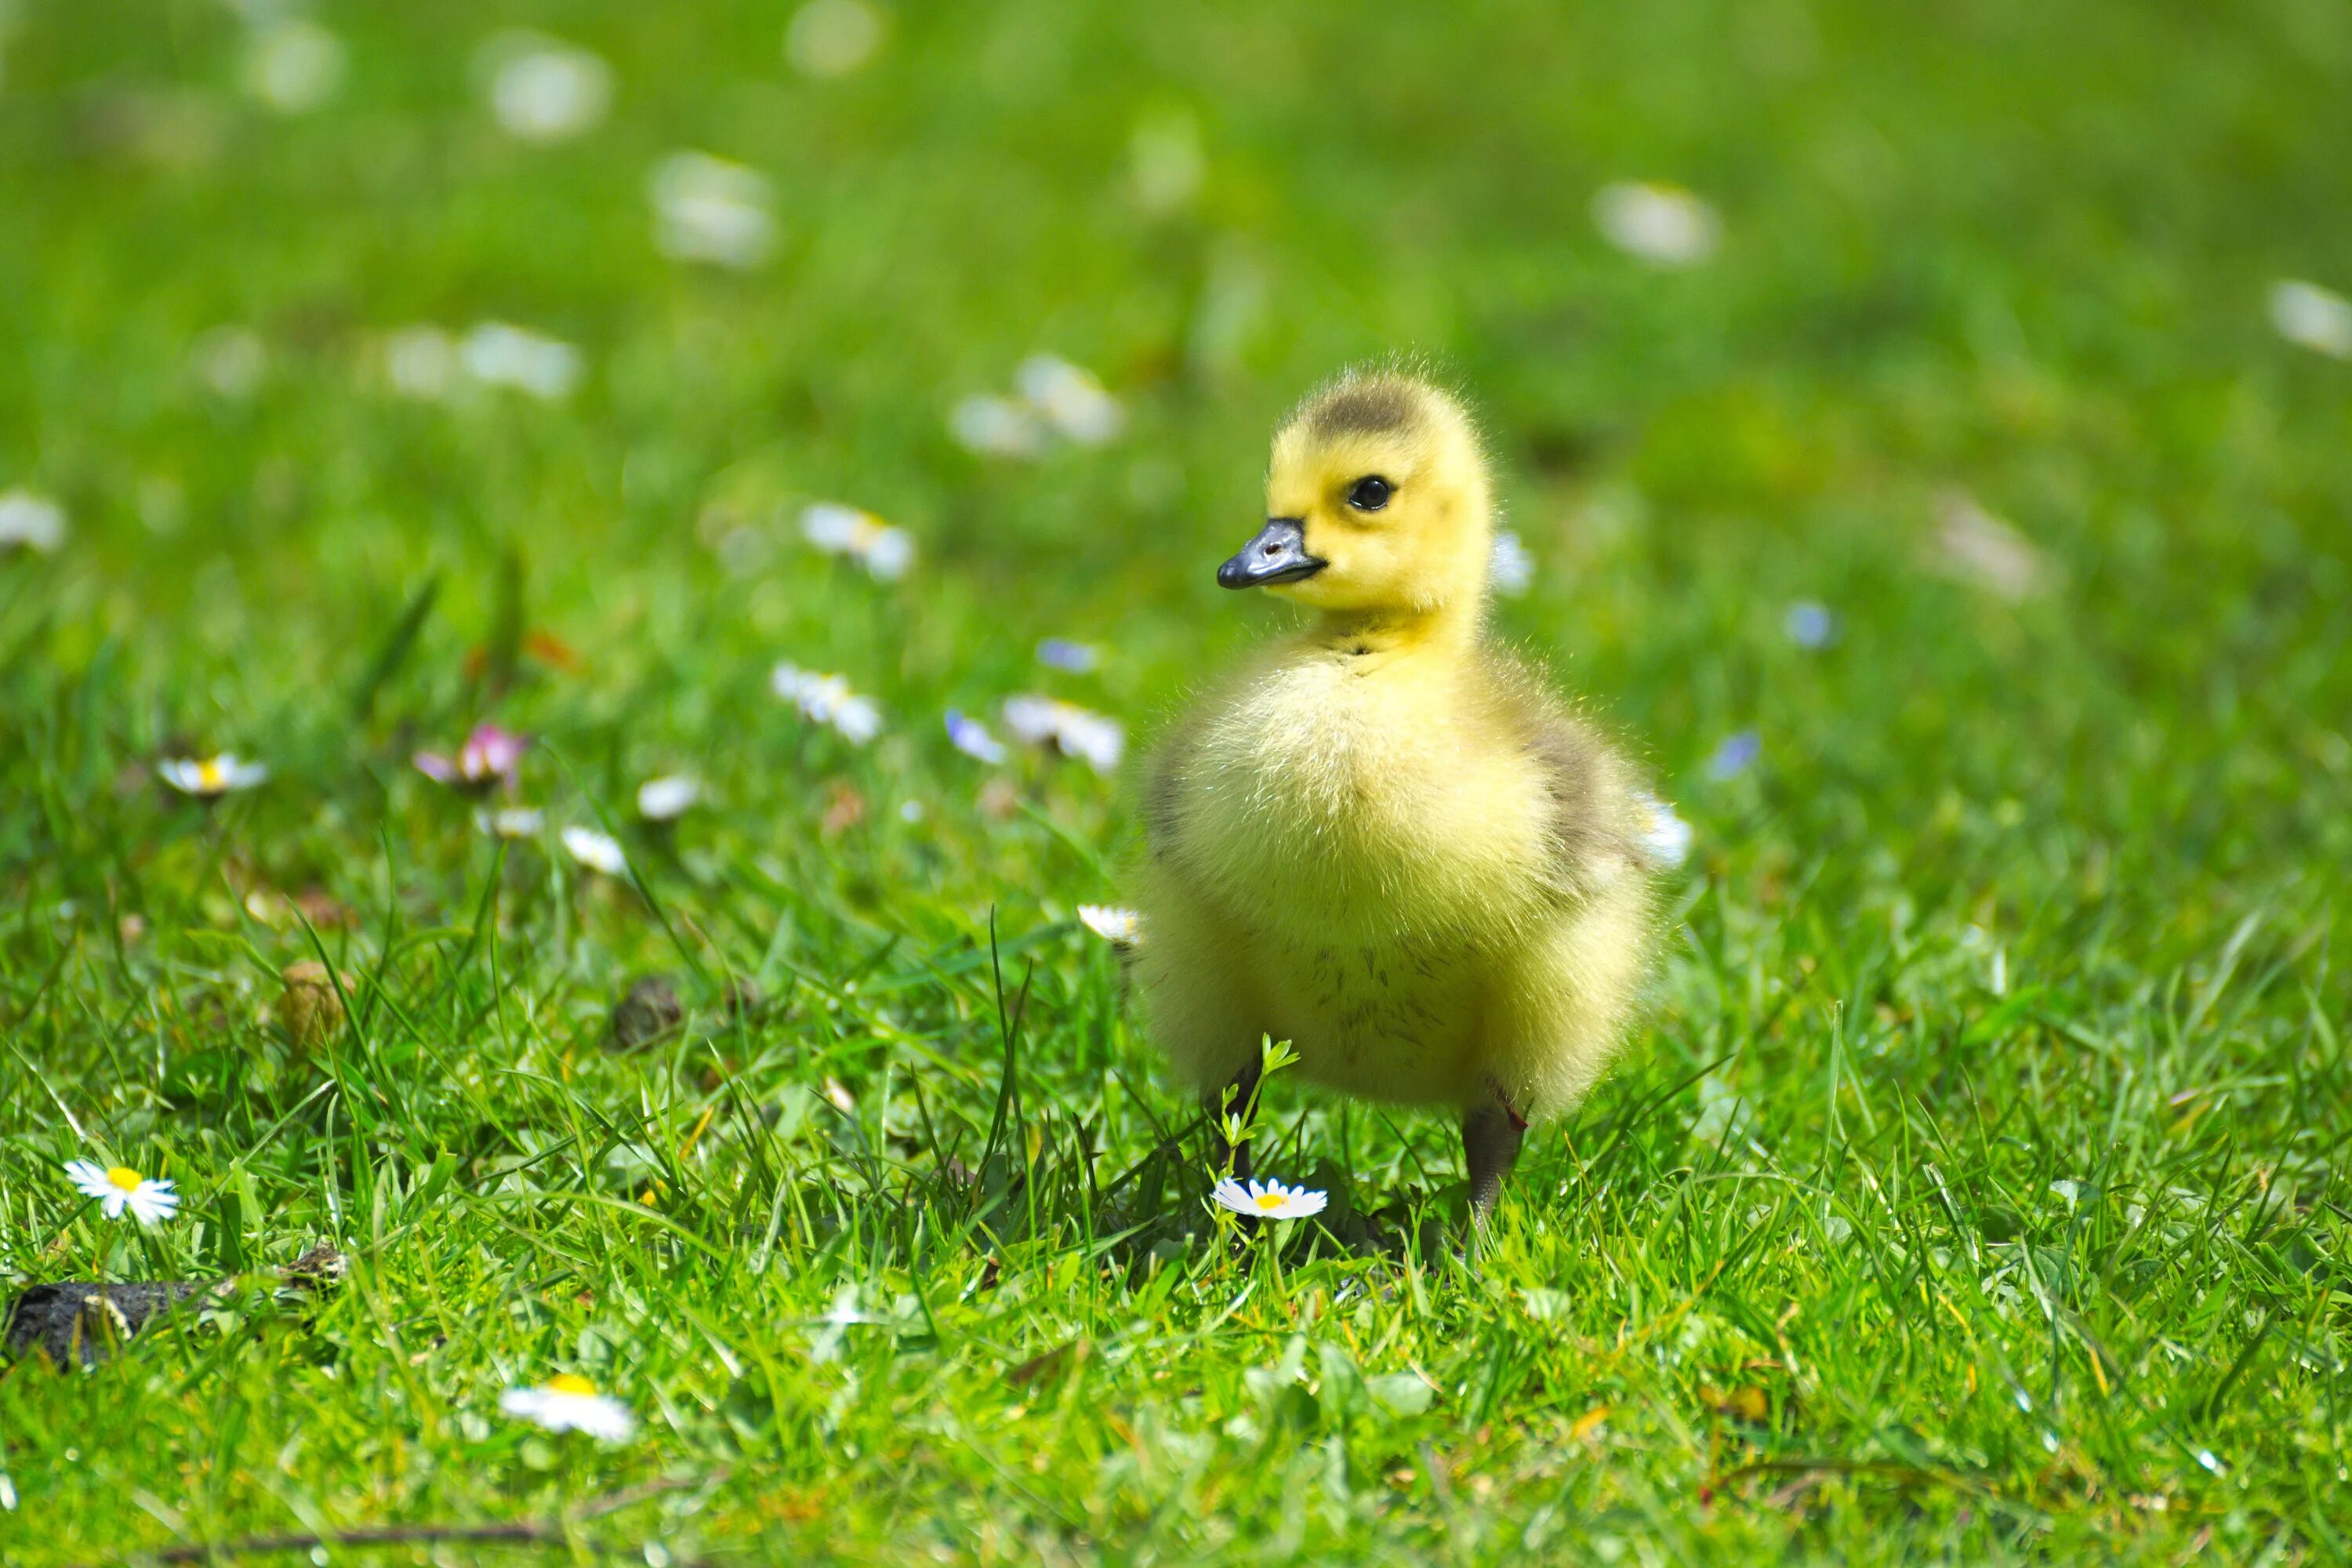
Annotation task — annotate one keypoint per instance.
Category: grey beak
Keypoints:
(1278, 555)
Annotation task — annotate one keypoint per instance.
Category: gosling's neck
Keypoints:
(1446, 631)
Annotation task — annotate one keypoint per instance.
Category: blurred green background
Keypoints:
(2005, 343)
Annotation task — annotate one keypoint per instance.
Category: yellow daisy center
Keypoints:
(1268, 1201)
(210, 776)
(126, 1178)
(570, 1383)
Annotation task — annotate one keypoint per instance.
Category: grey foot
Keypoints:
(1491, 1137)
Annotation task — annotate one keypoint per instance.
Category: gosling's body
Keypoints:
(1382, 840)
(1366, 855)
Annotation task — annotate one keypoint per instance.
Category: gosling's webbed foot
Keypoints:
(1491, 1136)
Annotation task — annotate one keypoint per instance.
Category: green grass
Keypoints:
(1975, 1191)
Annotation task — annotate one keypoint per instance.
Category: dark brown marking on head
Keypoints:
(1364, 409)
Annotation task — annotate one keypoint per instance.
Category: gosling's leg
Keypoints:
(1243, 1090)
(1491, 1136)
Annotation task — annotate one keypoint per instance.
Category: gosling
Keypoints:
(1382, 839)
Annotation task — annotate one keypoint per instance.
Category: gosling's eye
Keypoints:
(1369, 493)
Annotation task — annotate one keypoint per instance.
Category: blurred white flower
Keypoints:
(2312, 317)
(1072, 731)
(209, 778)
(490, 756)
(29, 521)
(827, 699)
(1667, 839)
(839, 530)
(597, 851)
(293, 65)
(1663, 225)
(569, 1403)
(833, 37)
(1979, 547)
(996, 428)
(1070, 399)
(511, 821)
(420, 362)
(1809, 625)
(1061, 653)
(150, 1200)
(544, 90)
(1509, 568)
(1165, 164)
(667, 798)
(1119, 927)
(1269, 1200)
(498, 355)
(232, 361)
(970, 737)
(708, 209)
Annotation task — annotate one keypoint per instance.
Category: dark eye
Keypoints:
(1369, 493)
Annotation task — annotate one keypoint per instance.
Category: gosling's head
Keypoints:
(1377, 501)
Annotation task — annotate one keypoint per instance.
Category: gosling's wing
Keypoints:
(1164, 786)
(1595, 828)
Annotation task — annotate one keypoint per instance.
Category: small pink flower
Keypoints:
(490, 756)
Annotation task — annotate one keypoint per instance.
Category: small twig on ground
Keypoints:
(516, 1533)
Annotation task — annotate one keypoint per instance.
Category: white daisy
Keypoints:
(29, 521)
(1665, 226)
(833, 37)
(839, 530)
(489, 757)
(232, 361)
(1269, 1200)
(511, 821)
(708, 209)
(2312, 317)
(1120, 927)
(151, 1200)
(996, 428)
(1976, 545)
(499, 355)
(827, 699)
(1667, 838)
(545, 90)
(420, 362)
(1072, 731)
(667, 798)
(570, 1402)
(293, 65)
(1070, 399)
(1509, 568)
(209, 778)
(597, 851)
(970, 737)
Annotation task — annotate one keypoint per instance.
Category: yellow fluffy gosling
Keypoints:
(1382, 839)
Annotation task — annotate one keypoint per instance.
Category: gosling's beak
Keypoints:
(1278, 555)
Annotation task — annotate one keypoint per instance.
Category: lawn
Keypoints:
(1939, 500)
